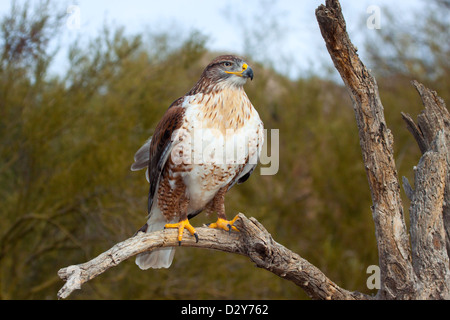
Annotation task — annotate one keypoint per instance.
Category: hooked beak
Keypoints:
(246, 72)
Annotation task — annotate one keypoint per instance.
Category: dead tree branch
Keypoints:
(422, 270)
(434, 119)
(429, 211)
(378, 155)
(253, 241)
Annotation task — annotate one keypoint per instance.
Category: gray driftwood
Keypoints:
(414, 263)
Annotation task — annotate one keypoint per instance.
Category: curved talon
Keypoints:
(224, 224)
(181, 226)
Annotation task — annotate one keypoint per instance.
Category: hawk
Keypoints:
(206, 142)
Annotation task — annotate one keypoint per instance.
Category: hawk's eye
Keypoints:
(227, 64)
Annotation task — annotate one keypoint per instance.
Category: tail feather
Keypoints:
(158, 258)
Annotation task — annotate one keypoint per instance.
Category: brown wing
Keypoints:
(161, 145)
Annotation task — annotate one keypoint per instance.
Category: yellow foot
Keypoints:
(224, 224)
(180, 226)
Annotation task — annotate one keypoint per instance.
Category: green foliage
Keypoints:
(66, 145)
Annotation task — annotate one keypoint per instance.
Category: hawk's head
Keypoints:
(227, 70)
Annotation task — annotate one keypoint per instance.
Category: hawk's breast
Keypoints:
(218, 137)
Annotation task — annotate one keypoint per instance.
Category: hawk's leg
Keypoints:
(219, 206)
(184, 222)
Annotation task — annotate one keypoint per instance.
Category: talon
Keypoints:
(224, 224)
(181, 226)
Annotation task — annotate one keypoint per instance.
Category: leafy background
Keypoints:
(67, 142)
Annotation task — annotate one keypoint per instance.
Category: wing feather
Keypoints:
(162, 144)
(141, 158)
(154, 153)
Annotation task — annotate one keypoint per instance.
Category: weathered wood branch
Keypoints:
(430, 259)
(253, 241)
(429, 211)
(422, 270)
(376, 141)
(434, 118)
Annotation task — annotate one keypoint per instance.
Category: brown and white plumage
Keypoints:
(207, 141)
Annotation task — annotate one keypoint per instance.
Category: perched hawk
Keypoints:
(206, 142)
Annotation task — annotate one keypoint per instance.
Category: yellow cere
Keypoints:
(244, 67)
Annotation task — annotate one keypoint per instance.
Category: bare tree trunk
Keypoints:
(416, 271)
(425, 272)
(429, 210)
(433, 119)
